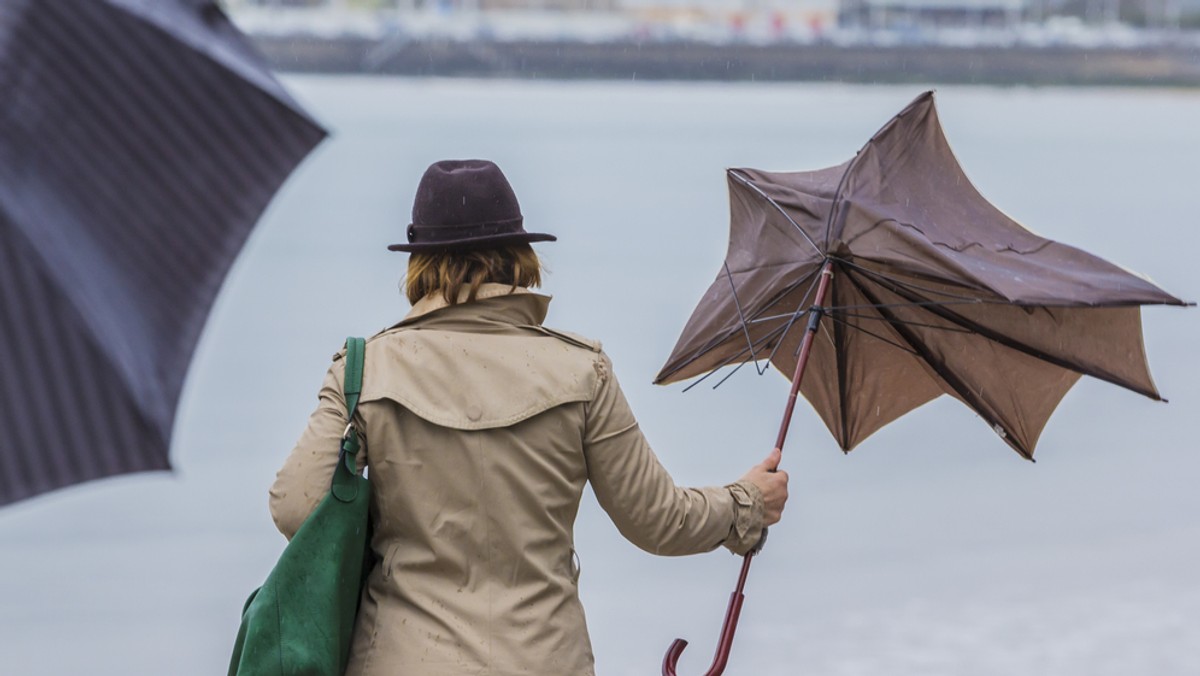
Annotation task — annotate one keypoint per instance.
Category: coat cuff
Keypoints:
(747, 526)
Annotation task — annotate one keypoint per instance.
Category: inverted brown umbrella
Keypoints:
(140, 140)
(928, 289)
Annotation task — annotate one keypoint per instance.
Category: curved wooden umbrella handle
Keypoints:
(725, 643)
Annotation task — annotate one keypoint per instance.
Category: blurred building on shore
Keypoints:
(1051, 42)
(916, 14)
(962, 22)
(706, 21)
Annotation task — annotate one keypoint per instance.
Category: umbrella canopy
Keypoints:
(139, 142)
(934, 291)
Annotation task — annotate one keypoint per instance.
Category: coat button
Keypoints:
(474, 412)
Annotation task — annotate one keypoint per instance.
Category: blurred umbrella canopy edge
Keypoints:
(140, 141)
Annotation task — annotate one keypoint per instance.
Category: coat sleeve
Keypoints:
(642, 499)
(305, 476)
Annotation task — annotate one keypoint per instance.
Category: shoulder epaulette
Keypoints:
(576, 340)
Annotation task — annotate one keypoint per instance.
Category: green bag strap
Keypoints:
(352, 385)
(344, 486)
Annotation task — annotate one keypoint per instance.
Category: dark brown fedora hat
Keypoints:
(465, 204)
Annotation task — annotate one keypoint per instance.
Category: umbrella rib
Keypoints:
(780, 332)
(1019, 346)
(947, 376)
(730, 360)
(773, 318)
(878, 275)
(788, 289)
(914, 304)
(795, 315)
(735, 370)
(874, 335)
(968, 300)
(843, 308)
(828, 336)
(954, 329)
(727, 335)
(741, 315)
(840, 348)
(837, 194)
(744, 180)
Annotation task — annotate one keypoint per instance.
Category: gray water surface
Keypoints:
(931, 550)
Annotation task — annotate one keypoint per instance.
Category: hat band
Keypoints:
(450, 233)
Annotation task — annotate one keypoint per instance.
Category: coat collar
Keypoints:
(494, 303)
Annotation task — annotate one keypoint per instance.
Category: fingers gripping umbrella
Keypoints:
(895, 282)
(139, 142)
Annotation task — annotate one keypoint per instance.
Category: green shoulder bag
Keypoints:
(300, 622)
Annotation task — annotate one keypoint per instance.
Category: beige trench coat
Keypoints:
(481, 428)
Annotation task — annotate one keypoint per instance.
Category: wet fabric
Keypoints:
(139, 142)
(934, 291)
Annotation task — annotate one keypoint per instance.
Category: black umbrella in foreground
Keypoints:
(140, 140)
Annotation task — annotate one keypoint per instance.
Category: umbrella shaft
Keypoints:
(805, 349)
(734, 611)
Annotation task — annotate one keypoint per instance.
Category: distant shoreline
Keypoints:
(1162, 66)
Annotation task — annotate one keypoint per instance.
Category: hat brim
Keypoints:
(487, 242)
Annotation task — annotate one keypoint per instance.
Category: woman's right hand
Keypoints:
(773, 484)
